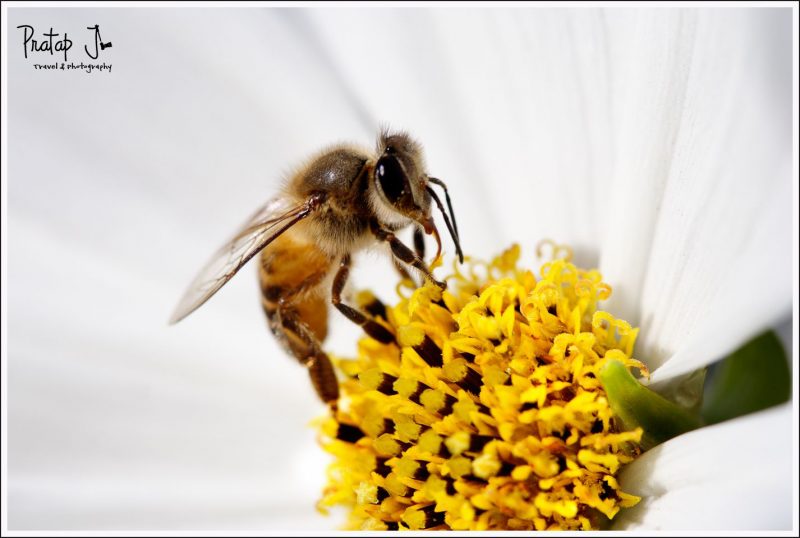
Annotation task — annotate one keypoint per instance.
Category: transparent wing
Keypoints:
(270, 221)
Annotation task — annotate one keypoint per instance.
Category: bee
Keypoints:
(344, 199)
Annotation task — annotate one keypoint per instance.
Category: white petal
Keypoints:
(699, 236)
(117, 421)
(736, 475)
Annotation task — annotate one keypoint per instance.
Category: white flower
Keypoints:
(656, 142)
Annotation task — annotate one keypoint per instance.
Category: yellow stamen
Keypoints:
(489, 413)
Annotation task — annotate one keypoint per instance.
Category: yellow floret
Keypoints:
(488, 413)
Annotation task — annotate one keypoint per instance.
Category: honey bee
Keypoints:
(344, 199)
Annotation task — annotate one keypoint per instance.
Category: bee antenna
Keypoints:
(447, 197)
(450, 227)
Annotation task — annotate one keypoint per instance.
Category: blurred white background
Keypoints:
(122, 183)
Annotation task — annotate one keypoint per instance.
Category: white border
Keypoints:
(4, 253)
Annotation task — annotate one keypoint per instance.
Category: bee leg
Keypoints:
(276, 302)
(405, 254)
(402, 271)
(419, 249)
(419, 243)
(323, 377)
(370, 326)
(320, 369)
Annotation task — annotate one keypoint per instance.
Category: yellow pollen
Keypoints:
(488, 413)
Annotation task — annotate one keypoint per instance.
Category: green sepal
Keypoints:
(752, 378)
(637, 406)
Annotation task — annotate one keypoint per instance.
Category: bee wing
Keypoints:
(270, 221)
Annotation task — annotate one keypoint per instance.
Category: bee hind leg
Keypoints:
(370, 326)
(306, 348)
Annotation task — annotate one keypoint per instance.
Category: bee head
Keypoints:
(401, 180)
(404, 189)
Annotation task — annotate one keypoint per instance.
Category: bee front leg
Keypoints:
(405, 254)
(402, 271)
(370, 326)
(419, 250)
(419, 242)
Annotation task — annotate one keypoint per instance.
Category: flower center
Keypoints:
(488, 413)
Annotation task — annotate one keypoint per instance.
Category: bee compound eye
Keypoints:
(391, 178)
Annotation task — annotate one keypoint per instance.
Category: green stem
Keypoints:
(637, 406)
